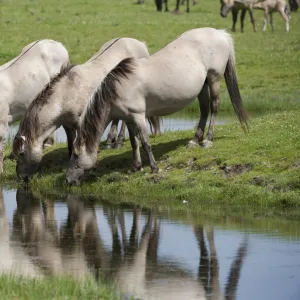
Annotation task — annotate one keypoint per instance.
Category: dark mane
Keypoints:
(98, 108)
(28, 125)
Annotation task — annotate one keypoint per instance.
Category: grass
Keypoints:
(259, 171)
(268, 63)
(20, 288)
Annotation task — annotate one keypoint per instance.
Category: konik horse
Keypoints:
(189, 67)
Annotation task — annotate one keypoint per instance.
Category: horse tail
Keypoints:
(287, 11)
(155, 124)
(233, 88)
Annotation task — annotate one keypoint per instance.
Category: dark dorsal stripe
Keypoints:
(22, 54)
(105, 49)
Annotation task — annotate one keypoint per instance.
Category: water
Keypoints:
(183, 121)
(147, 254)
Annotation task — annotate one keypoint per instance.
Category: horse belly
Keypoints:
(171, 96)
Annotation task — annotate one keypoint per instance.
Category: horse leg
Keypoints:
(252, 18)
(166, 5)
(49, 141)
(177, 6)
(137, 161)
(243, 14)
(154, 125)
(271, 22)
(234, 12)
(158, 5)
(111, 137)
(119, 143)
(265, 19)
(143, 133)
(214, 88)
(3, 134)
(187, 6)
(203, 98)
(286, 18)
(71, 135)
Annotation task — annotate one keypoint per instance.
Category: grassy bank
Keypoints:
(52, 288)
(258, 170)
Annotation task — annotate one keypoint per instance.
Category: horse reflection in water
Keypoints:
(131, 262)
(36, 228)
(12, 258)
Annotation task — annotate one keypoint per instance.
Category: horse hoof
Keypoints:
(206, 144)
(192, 144)
(156, 171)
(137, 169)
(107, 146)
(177, 12)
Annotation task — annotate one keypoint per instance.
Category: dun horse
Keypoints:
(22, 78)
(270, 6)
(63, 100)
(189, 67)
(235, 6)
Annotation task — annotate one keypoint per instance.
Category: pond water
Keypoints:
(147, 254)
(182, 121)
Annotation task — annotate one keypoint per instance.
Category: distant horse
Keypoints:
(235, 6)
(157, 86)
(22, 78)
(116, 141)
(63, 100)
(270, 6)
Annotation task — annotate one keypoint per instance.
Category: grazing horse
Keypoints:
(270, 6)
(116, 141)
(158, 86)
(235, 6)
(22, 78)
(63, 100)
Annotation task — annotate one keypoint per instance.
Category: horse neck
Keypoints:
(48, 115)
(108, 60)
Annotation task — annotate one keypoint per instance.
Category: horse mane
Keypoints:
(28, 125)
(98, 107)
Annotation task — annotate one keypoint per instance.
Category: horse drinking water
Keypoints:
(189, 67)
(22, 78)
(63, 100)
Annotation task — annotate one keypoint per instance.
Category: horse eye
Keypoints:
(22, 154)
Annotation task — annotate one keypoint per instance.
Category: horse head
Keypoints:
(80, 161)
(28, 156)
(226, 6)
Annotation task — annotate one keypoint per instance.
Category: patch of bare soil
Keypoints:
(234, 170)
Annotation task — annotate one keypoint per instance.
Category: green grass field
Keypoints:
(268, 63)
(53, 288)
